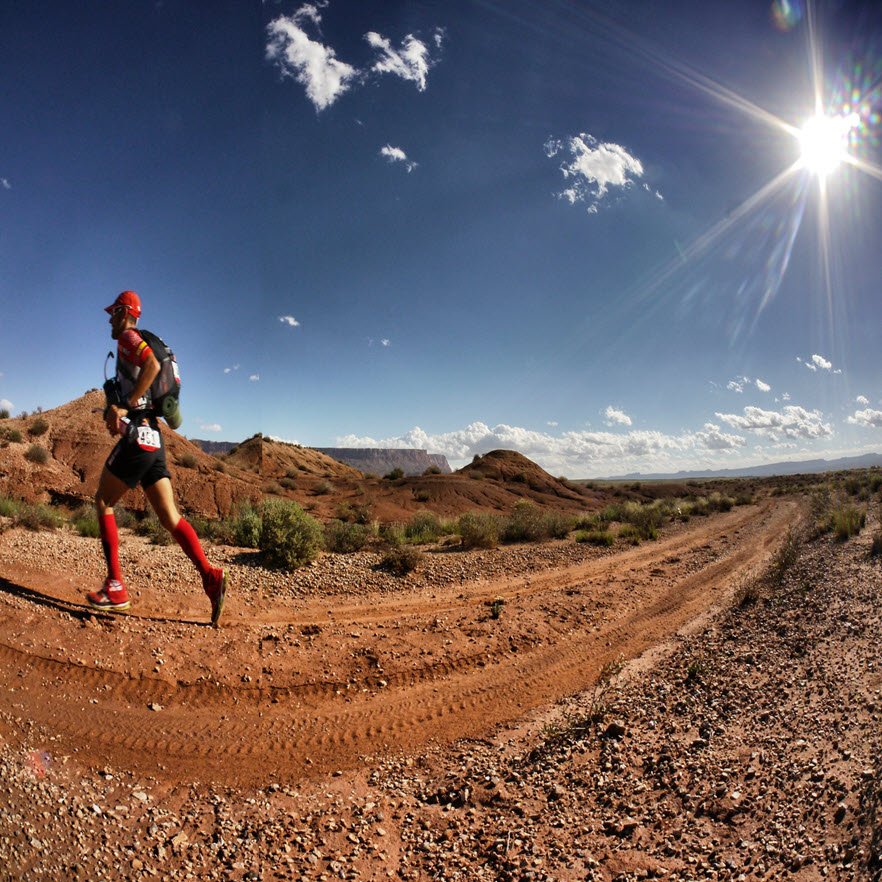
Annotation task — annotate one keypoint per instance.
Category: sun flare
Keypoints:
(824, 143)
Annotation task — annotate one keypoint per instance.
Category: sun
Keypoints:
(824, 143)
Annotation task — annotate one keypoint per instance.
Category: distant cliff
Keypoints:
(379, 461)
(214, 447)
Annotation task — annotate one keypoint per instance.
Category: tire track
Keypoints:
(251, 732)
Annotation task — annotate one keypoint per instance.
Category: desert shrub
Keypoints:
(478, 530)
(421, 495)
(4, 414)
(220, 467)
(9, 507)
(719, 502)
(629, 533)
(11, 435)
(188, 461)
(432, 470)
(124, 517)
(875, 482)
(595, 537)
(153, 530)
(289, 537)
(587, 522)
(876, 547)
(784, 558)
(38, 427)
(846, 521)
(394, 475)
(853, 486)
(292, 473)
(401, 560)
(343, 538)
(247, 526)
(525, 524)
(392, 534)
(359, 513)
(496, 606)
(37, 454)
(323, 488)
(288, 483)
(423, 527)
(745, 497)
(85, 521)
(38, 517)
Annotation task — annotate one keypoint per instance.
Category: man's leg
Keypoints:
(110, 491)
(214, 580)
(113, 595)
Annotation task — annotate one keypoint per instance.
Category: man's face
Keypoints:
(118, 321)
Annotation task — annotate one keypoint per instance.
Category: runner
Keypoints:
(139, 458)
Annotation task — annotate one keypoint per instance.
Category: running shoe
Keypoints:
(215, 585)
(112, 597)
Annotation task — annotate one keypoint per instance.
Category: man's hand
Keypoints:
(112, 417)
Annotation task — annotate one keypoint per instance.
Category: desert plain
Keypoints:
(702, 705)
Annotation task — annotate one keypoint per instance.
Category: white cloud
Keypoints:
(869, 418)
(593, 168)
(229, 370)
(572, 452)
(792, 422)
(763, 387)
(785, 396)
(385, 342)
(738, 384)
(822, 362)
(211, 427)
(614, 416)
(411, 61)
(254, 378)
(862, 400)
(552, 423)
(289, 320)
(4, 182)
(6, 404)
(396, 154)
(312, 64)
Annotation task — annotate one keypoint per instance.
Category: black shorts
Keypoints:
(139, 456)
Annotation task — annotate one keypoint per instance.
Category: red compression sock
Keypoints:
(110, 545)
(186, 537)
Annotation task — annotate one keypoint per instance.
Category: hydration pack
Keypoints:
(165, 390)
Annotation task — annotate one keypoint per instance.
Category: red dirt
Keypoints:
(293, 685)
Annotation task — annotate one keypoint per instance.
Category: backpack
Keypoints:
(165, 390)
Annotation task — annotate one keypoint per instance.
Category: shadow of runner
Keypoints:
(82, 612)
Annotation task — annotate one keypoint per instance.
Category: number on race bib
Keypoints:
(148, 439)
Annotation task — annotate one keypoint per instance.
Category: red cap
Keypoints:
(130, 300)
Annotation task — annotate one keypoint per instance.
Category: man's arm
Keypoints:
(147, 375)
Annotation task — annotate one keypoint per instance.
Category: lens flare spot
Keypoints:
(786, 14)
(823, 141)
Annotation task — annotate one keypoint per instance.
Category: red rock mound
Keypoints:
(76, 445)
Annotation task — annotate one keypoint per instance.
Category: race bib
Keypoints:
(147, 438)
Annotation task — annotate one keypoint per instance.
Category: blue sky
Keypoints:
(579, 230)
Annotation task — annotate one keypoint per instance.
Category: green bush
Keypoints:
(876, 547)
(392, 534)
(432, 470)
(4, 414)
(394, 475)
(478, 530)
(153, 530)
(188, 461)
(423, 527)
(847, 521)
(37, 454)
(247, 526)
(630, 533)
(38, 427)
(85, 521)
(525, 524)
(359, 513)
(343, 538)
(9, 507)
(11, 436)
(289, 537)
(36, 517)
(401, 560)
(124, 517)
(595, 537)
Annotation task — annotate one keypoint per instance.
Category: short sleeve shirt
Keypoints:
(132, 352)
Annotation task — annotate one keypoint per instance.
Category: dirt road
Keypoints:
(295, 686)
